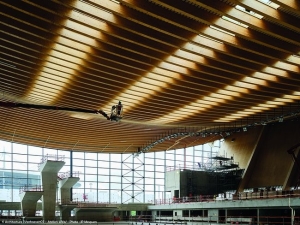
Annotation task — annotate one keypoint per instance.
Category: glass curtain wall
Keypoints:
(104, 177)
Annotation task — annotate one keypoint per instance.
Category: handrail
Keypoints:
(36, 188)
(68, 174)
(239, 196)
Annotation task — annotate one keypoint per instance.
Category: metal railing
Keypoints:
(35, 188)
(238, 196)
(68, 174)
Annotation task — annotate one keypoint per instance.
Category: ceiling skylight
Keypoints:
(115, 1)
(234, 21)
(270, 3)
(248, 11)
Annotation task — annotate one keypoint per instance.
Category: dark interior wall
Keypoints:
(198, 185)
(264, 148)
(274, 163)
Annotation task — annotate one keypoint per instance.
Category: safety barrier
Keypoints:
(36, 188)
(238, 196)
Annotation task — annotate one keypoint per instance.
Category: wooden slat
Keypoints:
(170, 69)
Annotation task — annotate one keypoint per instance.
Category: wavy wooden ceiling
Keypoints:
(177, 66)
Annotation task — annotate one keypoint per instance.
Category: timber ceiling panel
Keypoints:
(187, 71)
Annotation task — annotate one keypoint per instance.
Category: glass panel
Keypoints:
(199, 147)
(198, 162)
(5, 164)
(19, 182)
(66, 168)
(19, 158)
(126, 197)
(5, 147)
(65, 154)
(116, 185)
(91, 164)
(115, 165)
(35, 150)
(103, 156)
(206, 147)
(92, 156)
(50, 152)
(78, 162)
(160, 155)
(33, 166)
(139, 160)
(138, 181)
(179, 158)
(160, 182)
(149, 161)
(91, 195)
(198, 153)
(189, 158)
(103, 171)
(103, 178)
(149, 155)
(115, 179)
(34, 159)
(160, 162)
(90, 170)
(103, 186)
(159, 168)
(189, 150)
(115, 197)
(103, 196)
(179, 151)
(159, 175)
(20, 166)
(110, 180)
(138, 197)
(90, 177)
(18, 148)
(170, 152)
(34, 182)
(103, 164)
(149, 167)
(150, 181)
(67, 162)
(78, 155)
(78, 194)
(115, 172)
(149, 196)
(90, 186)
(78, 169)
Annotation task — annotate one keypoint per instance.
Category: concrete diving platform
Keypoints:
(66, 181)
(29, 197)
(49, 167)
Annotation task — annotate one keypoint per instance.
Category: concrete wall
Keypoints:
(172, 181)
(177, 213)
(213, 214)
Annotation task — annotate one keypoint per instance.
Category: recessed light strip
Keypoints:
(219, 29)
